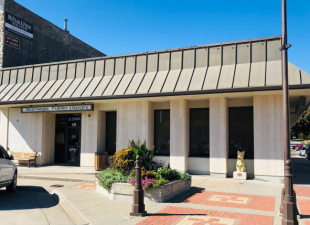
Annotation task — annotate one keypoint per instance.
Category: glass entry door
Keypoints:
(68, 138)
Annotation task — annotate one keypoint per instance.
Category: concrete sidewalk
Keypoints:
(58, 173)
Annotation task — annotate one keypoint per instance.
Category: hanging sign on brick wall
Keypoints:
(18, 26)
(12, 41)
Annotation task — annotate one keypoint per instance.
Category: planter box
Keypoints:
(123, 191)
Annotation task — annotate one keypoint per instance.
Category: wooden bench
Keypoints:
(30, 157)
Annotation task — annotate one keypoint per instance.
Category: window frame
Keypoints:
(161, 154)
(190, 121)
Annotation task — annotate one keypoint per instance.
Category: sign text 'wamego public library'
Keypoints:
(61, 108)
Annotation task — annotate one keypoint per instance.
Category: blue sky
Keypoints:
(121, 27)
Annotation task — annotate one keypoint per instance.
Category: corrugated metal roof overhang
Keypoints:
(250, 65)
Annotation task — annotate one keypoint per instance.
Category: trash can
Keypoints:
(101, 160)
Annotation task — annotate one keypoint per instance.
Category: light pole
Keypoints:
(289, 199)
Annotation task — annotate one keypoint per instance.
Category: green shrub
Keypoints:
(166, 173)
(123, 160)
(160, 182)
(109, 176)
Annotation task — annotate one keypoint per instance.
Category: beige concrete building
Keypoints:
(198, 106)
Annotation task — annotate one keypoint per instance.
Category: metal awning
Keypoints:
(250, 65)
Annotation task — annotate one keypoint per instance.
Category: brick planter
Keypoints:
(123, 191)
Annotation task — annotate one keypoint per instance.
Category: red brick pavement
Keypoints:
(233, 200)
(87, 186)
(304, 206)
(178, 215)
(307, 222)
(302, 191)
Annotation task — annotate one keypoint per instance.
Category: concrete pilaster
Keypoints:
(179, 134)
(268, 136)
(218, 136)
(92, 136)
(4, 125)
(134, 120)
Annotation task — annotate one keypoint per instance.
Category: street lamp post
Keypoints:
(289, 199)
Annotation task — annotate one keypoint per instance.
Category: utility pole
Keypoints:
(289, 198)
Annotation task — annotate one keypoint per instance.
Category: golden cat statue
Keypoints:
(240, 162)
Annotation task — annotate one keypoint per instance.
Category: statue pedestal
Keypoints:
(240, 175)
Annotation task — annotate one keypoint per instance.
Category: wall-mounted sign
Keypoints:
(18, 26)
(61, 108)
(11, 41)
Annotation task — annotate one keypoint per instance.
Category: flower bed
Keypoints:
(157, 180)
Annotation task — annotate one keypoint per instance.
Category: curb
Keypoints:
(55, 178)
(72, 212)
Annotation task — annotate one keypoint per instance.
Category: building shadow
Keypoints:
(27, 197)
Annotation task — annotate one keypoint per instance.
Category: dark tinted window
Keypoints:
(199, 132)
(241, 134)
(3, 154)
(111, 132)
(162, 132)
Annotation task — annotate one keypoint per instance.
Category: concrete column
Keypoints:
(179, 134)
(92, 136)
(218, 136)
(134, 120)
(41, 136)
(4, 125)
(268, 137)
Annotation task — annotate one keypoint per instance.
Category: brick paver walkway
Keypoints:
(232, 200)
(178, 215)
(87, 186)
(302, 191)
(304, 206)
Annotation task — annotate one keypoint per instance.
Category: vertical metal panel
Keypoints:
(29, 72)
(12, 88)
(89, 73)
(61, 78)
(174, 73)
(1, 75)
(13, 76)
(36, 74)
(62, 72)
(5, 80)
(258, 72)
(90, 66)
(243, 53)
(188, 59)
(112, 85)
(80, 70)
(229, 55)
(69, 79)
(109, 67)
(197, 79)
(201, 57)
(227, 76)
(184, 79)
(129, 71)
(258, 52)
(242, 75)
(141, 64)
(99, 68)
(164, 61)
(130, 65)
(119, 66)
(102, 85)
(28, 80)
(152, 61)
(273, 52)
(45, 73)
(293, 74)
(212, 77)
(273, 73)
(52, 79)
(215, 56)
(305, 77)
(96, 80)
(53, 72)
(176, 60)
